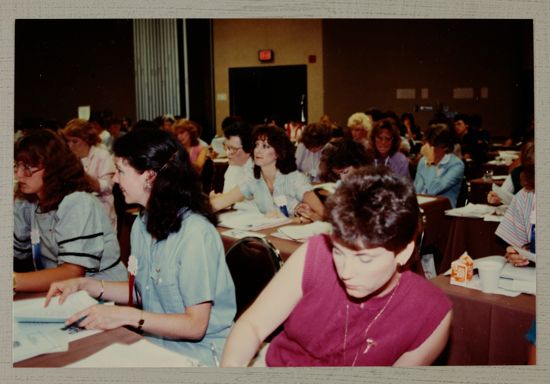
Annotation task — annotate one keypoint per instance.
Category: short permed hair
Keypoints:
(342, 154)
(82, 129)
(360, 118)
(374, 208)
(278, 139)
(316, 135)
(244, 131)
(186, 125)
(440, 135)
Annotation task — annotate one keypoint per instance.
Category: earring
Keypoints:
(147, 186)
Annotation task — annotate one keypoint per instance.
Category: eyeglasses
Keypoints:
(27, 169)
(231, 149)
(384, 138)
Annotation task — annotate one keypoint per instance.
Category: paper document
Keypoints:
(424, 199)
(250, 221)
(239, 233)
(302, 232)
(33, 310)
(472, 210)
(329, 187)
(142, 354)
(505, 196)
(27, 344)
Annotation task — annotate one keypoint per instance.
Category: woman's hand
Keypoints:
(492, 198)
(513, 257)
(428, 152)
(304, 211)
(105, 317)
(63, 289)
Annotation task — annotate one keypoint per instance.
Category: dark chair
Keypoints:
(415, 261)
(252, 262)
(464, 194)
(207, 175)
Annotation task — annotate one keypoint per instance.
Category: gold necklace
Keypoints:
(369, 342)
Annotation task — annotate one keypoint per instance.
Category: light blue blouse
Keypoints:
(443, 179)
(292, 186)
(186, 269)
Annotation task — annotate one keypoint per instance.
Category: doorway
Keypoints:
(260, 94)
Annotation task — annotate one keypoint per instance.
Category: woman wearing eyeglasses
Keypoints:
(238, 146)
(59, 224)
(277, 188)
(385, 141)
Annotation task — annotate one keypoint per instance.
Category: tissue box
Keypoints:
(462, 270)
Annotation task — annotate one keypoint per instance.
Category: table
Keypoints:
(473, 235)
(487, 329)
(78, 349)
(435, 234)
(499, 168)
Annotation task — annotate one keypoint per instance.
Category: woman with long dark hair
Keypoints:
(182, 282)
(277, 182)
(58, 223)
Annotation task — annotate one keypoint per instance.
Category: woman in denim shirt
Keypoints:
(278, 188)
(182, 281)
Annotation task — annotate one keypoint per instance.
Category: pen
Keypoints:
(74, 324)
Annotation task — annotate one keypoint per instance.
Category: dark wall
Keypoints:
(61, 64)
(200, 75)
(365, 61)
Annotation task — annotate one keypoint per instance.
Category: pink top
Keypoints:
(313, 334)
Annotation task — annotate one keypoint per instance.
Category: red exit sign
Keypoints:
(265, 55)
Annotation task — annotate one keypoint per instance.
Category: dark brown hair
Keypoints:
(527, 175)
(374, 208)
(315, 135)
(277, 138)
(389, 125)
(63, 171)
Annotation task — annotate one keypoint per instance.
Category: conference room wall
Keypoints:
(236, 45)
(61, 64)
(366, 61)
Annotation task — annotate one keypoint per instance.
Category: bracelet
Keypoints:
(102, 290)
(141, 322)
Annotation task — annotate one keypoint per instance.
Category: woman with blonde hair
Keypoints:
(360, 125)
(84, 141)
(188, 133)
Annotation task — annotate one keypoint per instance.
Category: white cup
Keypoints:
(489, 275)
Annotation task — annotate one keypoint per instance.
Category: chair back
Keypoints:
(252, 262)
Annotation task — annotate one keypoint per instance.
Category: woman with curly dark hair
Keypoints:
(278, 187)
(182, 282)
(344, 298)
(58, 223)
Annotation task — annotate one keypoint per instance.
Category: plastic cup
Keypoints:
(489, 275)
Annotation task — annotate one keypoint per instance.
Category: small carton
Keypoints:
(462, 270)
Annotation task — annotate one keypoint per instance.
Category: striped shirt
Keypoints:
(515, 227)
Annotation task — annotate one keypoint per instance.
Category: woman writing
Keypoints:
(84, 141)
(276, 182)
(343, 298)
(58, 224)
(182, 284)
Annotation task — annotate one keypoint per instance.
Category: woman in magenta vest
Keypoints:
(343, 298)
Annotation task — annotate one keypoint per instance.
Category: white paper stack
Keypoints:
(33, 310)
(303, 232)
(472, 210)
(520, 279)
(250, 221)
